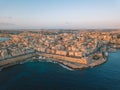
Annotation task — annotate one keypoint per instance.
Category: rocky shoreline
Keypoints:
(15, 60)
(58, 59)
(70, 64)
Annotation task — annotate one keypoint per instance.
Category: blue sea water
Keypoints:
(50, 76)
(3, 39)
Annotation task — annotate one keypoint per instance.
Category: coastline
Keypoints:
(68, 62)
(73, 65)
(15, 60)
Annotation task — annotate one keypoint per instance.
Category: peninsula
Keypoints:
(76, 49)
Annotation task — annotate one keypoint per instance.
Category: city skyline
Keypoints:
(59, 14)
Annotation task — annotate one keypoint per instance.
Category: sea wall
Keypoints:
(75, 63)
(69, 59)
(15, 60)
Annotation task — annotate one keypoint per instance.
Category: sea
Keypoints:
(3, 39)
(37, 75)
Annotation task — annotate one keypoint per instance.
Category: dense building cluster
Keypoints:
(72, 44)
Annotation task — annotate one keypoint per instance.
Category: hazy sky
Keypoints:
(60, 14)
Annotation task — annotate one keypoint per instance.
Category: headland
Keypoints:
(76, 49)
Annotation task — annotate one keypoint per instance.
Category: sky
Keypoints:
(59, 14)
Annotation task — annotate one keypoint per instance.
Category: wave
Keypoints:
(66, 67)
